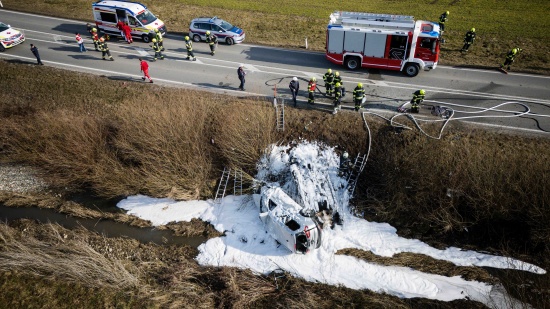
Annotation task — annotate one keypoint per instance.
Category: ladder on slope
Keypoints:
(280, 113)
(238, 182)
(224, 179)
(356, 169)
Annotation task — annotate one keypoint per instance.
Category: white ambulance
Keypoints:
(392, 42)
(142, 22)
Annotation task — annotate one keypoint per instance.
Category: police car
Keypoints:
(9, 37)
(225, 31)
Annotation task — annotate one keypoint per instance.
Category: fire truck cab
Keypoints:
(392, 42)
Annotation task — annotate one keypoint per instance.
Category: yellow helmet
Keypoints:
(422, 92)
(329, 71)
(156, 30)
(337, 85)
(515, 50)
(207, 32)
(94, 30)
(337, 73)
(473, 30)
(359, 85)
(187, 38)
(313, 79)
(447, 12)
(154, 40)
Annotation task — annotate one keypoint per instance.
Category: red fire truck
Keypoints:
(392, 42)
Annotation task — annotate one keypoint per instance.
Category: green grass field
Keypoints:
(500, 25)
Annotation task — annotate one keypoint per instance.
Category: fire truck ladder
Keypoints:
(280, 112)
(356, 169)
(224, 179)
(238, 182)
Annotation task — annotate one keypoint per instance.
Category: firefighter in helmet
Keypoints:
(95, 38)
(311, 90)
(337, 97)
(358, 95)
(189, 46)
(105, 49)
(158, 50)
(158, 37)
(510, 57)
(417, 99)
(469, 39)
(443, 20)
(337, 78)
(212, 41)
(328, 78)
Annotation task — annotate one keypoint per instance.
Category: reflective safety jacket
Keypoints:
(158, 36)
(470, 37)
(328, 78)
(156, 47)
(103, 46)
(417, 97)
(337, 79)
(337, 94)
(443, 18)
(358, 93)
(189, 45)
(212, 39)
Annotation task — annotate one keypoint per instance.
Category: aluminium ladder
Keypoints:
(238, 182)
(224, 179)
(280, 113)
(356, 169)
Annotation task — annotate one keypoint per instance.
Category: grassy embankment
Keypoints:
(500, 25)
(117, 139)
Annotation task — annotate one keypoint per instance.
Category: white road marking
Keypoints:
(141, 51)
(288, 50)
(57, 38)
(251, 68)
(138, 77)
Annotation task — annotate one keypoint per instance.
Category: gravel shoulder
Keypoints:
(20, 179)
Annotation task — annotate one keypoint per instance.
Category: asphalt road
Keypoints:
(470, 92)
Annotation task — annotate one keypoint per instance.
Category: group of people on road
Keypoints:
(469, 39)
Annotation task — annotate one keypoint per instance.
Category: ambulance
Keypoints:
(382, 41)
(142, 22)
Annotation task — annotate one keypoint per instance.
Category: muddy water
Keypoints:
(107, 228)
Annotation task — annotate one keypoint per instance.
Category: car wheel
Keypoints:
(196, 38)
(353, 63)
(411, 69)
(229, 41)
(146, 38)
(2, 48)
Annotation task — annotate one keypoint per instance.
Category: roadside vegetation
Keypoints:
(472, 189)
(500, 25)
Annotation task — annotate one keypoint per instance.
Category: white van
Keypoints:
(109, 12)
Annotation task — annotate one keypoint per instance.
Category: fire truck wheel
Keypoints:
(353, 63)
(411, 69)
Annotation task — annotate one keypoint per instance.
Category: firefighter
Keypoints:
(95, 38)
(442, 21)
(294, 87)
(105, 49)
(158, 50)
(469, 39)
(337, 78)
(212, 41)
(311, 90)
(189, 46)
(358, 95)
(158, 37)
(328, 78)
(337, 97)
(510, 57)
(417, 99)
(345, 164)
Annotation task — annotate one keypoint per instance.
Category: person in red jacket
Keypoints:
(145, 69)
(119, 26)
(128, 33)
